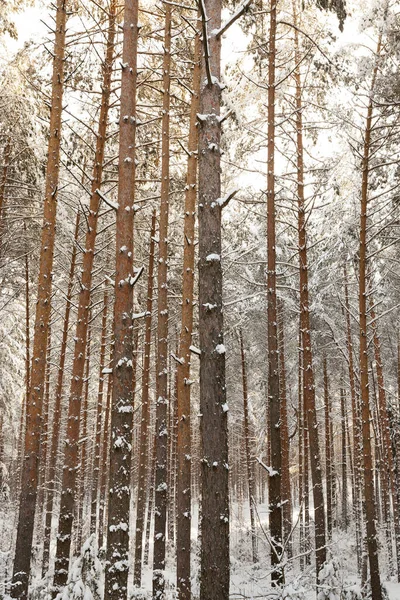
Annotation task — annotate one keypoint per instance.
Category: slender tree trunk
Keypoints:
(300, 450)
(388, 465)
(26, 519)
(3, 185)
(249, 454)
(83, 442)
(145, 416)
(105, 445)
(369, 493)
(98, 421)
(345, 514)
(274, 424)
(55, 437)
(358, 474)
(161, 476)
(286, 493)
(116, 578)
(184, 442)
(214, 569)
(69, 480)
(328, 458)
(150, 505)
(308, 372)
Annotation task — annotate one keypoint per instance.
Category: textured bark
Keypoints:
(214, 550)
(150, 505)
(286, 493)
(184, 442)
(98, 421)
(274, 423)
(308, 372)
(69, 480)
(117, 566)
(161, 477)
(369, 492)
(145, 416)
(23, 547)
(55, 436)
(249, 454)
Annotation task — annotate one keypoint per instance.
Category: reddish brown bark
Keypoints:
(214, 567)
(184, 442)
(23, 547)
(69, 480)
(117, 566)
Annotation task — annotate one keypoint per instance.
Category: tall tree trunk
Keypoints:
(69, 480)
(369, 493)
(328, 457)
(388, 465)
(161, 476)
(308, 372)
(105, 445)
(116, 578)
(26, 519)
(274, 424)
(286, 493)
(145, 416)
(358, 474)
(300, 450)
(55, 437)
(214, 569)
(184, 442)
(98, 421)
(345, 515)
(249, 454)
(83, 451)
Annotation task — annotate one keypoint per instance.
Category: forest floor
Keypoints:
(249, 581)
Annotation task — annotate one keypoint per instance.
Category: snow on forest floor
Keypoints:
(249, 581)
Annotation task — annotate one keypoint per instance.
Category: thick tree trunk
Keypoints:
(105, 445)
(69, 481)
(161, 476)
(55, 437)
(274, 423)
(249, 454)
(26, 519)
(145, 416)
(214, 551)
(117, 567)
(184, 442)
